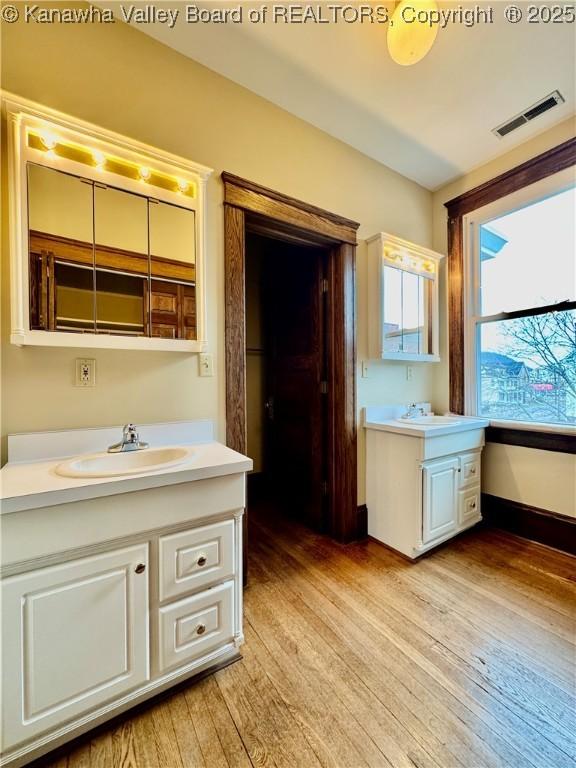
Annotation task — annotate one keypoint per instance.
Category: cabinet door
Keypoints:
(74, 636)
(440, 511)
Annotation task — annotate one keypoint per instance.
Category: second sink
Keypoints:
(431, 420)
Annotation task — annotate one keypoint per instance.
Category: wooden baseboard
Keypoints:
(532, 523)
(362, 521)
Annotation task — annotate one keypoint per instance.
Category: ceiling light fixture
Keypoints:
(411, 30)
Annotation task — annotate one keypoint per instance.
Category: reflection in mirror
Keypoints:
(392, 331)
(61, 259)
(121, 253)
(173, 271)
(107, 261)
(407, 312)
(410, 313)
(424, 316)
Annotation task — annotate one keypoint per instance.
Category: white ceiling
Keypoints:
(432, 121)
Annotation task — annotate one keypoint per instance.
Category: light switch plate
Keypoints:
(205, 364)
(365, 369)
(85, 372)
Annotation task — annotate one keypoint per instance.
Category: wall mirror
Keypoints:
(107, 251)
(403, 300)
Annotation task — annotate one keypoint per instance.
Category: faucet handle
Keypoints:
(130, 432)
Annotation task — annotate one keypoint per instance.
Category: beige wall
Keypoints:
(119, 78)
(537, 478)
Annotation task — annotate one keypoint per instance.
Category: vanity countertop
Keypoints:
(30, 480)
(387, 419)
(29, 485)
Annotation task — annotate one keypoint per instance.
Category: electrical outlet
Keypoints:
(205, 364)
(85, 372)
(409, 372)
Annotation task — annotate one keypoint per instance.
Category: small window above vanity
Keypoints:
(402, 300)
(107, 238)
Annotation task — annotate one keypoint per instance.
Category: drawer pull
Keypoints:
(473, 505)
(140, 568)
(200, 629)
(473, 471)
(201, 561)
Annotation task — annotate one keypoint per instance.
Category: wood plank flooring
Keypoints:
(355, 657)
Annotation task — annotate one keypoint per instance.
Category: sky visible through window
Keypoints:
(528, 365)
(537, 265)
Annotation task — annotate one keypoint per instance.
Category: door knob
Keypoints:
(140, 568)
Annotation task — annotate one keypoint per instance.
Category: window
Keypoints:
(520, 305)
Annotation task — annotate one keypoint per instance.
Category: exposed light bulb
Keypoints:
(99, 159)
(182, 185)
(410, 34)
(145, 173)
(48, 139)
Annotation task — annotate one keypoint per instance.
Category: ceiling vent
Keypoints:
(552, 100)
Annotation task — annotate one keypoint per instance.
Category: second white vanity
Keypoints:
(423, 477)
(120, 577)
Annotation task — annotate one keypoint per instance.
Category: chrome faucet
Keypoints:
(130, 441)
(413, 412)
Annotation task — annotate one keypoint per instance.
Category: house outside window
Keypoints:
(520, 305)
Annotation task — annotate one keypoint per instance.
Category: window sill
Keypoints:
(544, 437)
(534, 426)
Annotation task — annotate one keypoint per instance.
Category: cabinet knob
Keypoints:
(200, 629)
(473, 471)
(201, 561)
(140, 568)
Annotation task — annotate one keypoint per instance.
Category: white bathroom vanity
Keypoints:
(119, 578)
(423, 477)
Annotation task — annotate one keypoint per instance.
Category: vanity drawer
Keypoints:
(191, 628)
(469, 469)
(469, 505)
(193, 559)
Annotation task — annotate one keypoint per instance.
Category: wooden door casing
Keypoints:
(269, 212)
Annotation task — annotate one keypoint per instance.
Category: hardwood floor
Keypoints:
(356, 657)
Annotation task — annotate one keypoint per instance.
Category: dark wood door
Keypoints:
(295, 405)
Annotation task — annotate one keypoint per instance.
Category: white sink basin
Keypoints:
(128, 463)
(431, 420)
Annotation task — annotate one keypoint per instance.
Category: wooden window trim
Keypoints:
(540, 167)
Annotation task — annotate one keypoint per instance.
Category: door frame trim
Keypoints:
(247, 204)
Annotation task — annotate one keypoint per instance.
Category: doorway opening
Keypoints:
(329, 240)
(286, 378)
